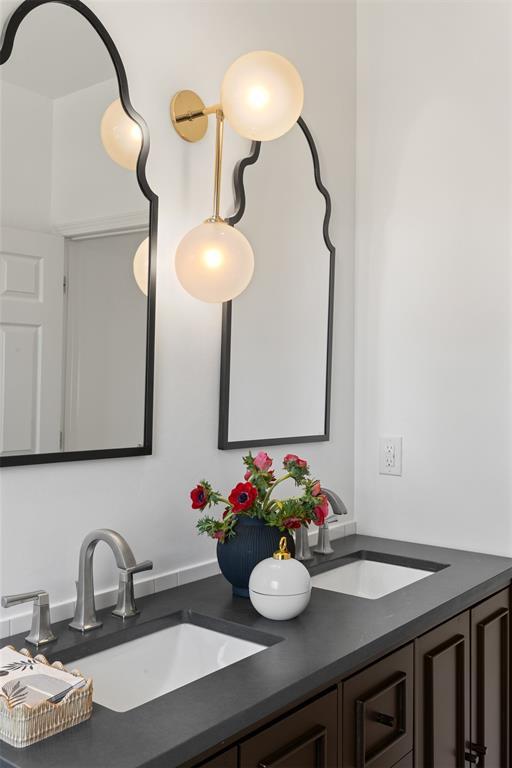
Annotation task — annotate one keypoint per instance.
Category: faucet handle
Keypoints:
(22, 597)
(145, 565)
(125, 606)
(41, 630)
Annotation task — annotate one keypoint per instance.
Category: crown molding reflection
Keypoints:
(135, 221)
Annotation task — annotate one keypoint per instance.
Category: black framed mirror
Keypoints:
(78, 225)
(277, 336)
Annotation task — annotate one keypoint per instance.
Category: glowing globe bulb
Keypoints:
(121, 136)
(214, 262)
(141, 266)
(262, 95)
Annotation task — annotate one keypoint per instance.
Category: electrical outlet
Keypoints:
(390, 456)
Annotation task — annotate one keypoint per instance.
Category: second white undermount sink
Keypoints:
(370, 579)
(140, 670)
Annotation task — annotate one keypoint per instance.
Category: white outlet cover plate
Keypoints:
(390, 455)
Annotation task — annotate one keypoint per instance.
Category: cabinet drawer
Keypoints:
(377, 712)
(305, 739)
(228, 759)
(405, 762)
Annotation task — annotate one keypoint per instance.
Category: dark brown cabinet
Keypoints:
(490, 682)
(228, 759)
(405, 762)
(377, 712)
(442, 701)
(462, 689)
(308, 738)
(442, 687)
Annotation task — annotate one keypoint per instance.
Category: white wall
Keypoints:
(434, 296)
(26, 158)
(167, 46)
(87, 184)
(45, 183)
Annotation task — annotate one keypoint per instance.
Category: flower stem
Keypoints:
(269, 492)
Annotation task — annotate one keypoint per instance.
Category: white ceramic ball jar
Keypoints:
(280, 587)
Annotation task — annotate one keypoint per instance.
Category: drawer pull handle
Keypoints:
(476, 752)
(316, 736)
(381, 717)
(365, 757)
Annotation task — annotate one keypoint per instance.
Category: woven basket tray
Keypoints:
(24, 725)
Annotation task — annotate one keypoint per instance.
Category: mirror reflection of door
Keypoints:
(105, 344)
(73, 318)
(31, 340)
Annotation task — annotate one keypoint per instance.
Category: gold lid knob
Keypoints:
(282, 553)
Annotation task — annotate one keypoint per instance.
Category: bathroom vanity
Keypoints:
(415, 677)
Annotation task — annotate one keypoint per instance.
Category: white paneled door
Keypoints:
(31, 342)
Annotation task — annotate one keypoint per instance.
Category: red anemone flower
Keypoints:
(292, 458)
(199, 497)
(292, 522)
(243, 496)
(262, 461)
(321, 511)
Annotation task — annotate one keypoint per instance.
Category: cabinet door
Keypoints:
(442, 695)
(405, 762)
(490, 684)
(228, 759)
(305, 739)
(377, 720)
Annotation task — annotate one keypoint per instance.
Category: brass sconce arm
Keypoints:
(190, 118)
(193, 115)
(219, 139)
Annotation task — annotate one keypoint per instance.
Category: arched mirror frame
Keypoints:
(6, 46)
(224, 443)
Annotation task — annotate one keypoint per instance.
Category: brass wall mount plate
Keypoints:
(187, 117)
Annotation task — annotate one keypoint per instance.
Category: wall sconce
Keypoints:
(121, 136)
(261, 97)
(122, 141)
(141, 266)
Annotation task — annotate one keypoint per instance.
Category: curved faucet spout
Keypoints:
(337, 505)
(85, 611)
(323, 546)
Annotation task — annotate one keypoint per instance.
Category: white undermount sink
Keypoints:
(368, 578)
(135, 672)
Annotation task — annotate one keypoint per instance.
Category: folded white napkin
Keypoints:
(24, 680)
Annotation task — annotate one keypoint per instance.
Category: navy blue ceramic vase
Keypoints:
(253, 541)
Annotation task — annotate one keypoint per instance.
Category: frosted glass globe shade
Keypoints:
(214, 262)
(262, 95)
(121, 136)
(141, 266)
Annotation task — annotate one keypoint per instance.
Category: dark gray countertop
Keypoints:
(336, 635)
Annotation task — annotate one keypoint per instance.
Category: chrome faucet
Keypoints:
(302, 550)
(323, 546)
(41, 631)
(85, 611)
